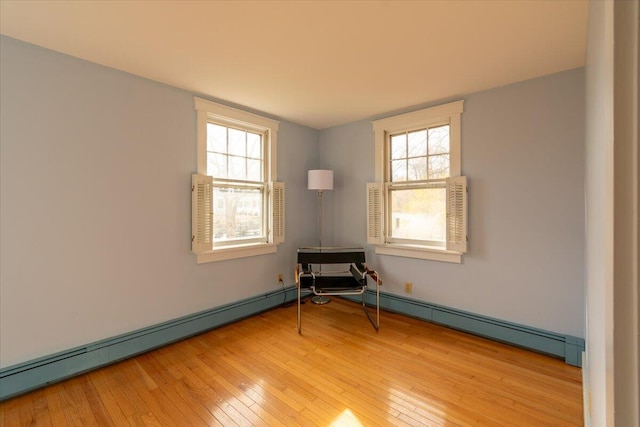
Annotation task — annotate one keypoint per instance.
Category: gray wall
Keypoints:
(96, 211)
(95, 206)
(523, 151)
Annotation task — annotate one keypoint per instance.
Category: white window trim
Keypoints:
(238, 251)
(419, 252)
(447, 113)
(210, 111)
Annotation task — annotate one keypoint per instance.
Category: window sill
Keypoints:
(420, 252)
(233, 252)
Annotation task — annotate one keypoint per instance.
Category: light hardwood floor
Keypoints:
(259, 371)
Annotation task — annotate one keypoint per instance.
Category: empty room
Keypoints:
(331, 213)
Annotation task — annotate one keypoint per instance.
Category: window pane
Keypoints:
(239, 215)
(439, 140)
(418, 214)
(417, 168)
(237, 142)
(254, 145)
(399, 170)
(254, 172)
(439, 166)
(417, 143)
(217, 165)
(216, 138)
(237, 168)
(399, 146)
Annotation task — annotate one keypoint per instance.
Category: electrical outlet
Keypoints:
(279, 277)
(408, 287)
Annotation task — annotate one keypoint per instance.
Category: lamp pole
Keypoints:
(320, 180)
(320, 215)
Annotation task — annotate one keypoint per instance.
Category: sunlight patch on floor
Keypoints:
(346, 418)
(421, 408)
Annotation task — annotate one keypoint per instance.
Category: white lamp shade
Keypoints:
(320, 179)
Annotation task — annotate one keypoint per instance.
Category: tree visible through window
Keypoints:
(237, 202)
(418, 203)
(417, 163)
(235, 160)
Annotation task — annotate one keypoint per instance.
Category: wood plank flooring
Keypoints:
(340, 372)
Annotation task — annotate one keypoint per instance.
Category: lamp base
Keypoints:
(320, 300)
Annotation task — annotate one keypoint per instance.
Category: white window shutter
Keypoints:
(457, 214)
(201, 213)
(375, 235)
(277, 194)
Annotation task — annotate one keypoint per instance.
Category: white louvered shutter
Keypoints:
(457, 214)
(375, 209)
(201, 213)
(277, 194)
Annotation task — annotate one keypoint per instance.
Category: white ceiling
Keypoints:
(316, 63)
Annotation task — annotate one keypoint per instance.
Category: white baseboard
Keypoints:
(586, 390)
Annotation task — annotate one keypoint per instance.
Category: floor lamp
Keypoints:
(320, 180)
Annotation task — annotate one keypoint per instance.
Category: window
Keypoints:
(238, 206)
(417, 207)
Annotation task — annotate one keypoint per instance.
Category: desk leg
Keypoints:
(299, 326)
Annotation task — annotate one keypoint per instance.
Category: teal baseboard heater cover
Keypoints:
(21, 378)
(558, 345)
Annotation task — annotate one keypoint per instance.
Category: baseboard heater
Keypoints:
(21, 378)
(566, 347)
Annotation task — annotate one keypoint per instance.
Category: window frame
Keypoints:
(211, 112)
(439, 183)
(240, 184)
(450, 114)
